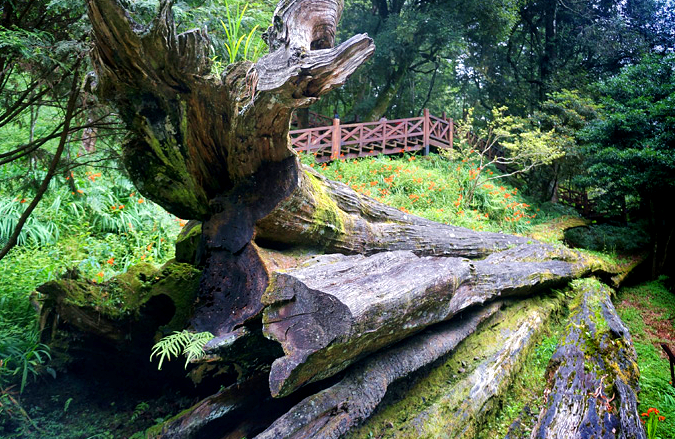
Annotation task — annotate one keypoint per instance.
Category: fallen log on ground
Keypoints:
(340, 308)
(593, 375)
(454, 397)
(335, 410)
(331, 216)
(144, 298)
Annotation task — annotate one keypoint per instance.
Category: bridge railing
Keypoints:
(365, 139)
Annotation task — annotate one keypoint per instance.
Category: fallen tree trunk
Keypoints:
(340, 308)
(593, 375)
(454, 398)
(329, 215)
(335, 410)
(230, 412)
(143, 299)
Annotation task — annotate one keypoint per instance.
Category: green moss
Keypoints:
(124, 295)
(444, 391)
(181, 283)
(328, 217)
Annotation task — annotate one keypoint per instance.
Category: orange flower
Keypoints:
(373, 183)
(311, 165)
(141, 201)
(23, 200)
(99, 274)
(80, 191)
(120, 207)
(652, 409)
(111, 261)
(662, 418)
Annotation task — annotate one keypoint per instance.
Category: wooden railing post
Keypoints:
(451, 131)
(426, 132)
(335, 147)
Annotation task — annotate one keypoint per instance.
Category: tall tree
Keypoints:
(43, 48)
(630, 151)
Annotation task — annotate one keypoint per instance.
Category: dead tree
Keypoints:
(216, 149)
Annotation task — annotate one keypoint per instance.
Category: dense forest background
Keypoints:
(596, 76)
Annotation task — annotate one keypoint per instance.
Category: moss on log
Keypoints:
(330, 216)
(332, 412)
(593, 375)
(333, 312)
(452, 399)
(108, 310)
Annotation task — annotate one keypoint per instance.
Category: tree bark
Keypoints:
(229, 170)
(332, 217)
(331, 313)
(461, 391)
(335, 410)
(593, 375)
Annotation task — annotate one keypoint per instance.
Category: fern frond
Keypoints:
(183, 342)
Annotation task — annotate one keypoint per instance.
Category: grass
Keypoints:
(435, 187)
(648, 310)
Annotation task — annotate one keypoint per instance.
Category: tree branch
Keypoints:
(72, 102)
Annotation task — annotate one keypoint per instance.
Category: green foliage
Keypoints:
(235, 36)
(630, 148)
(634, 303)
(433, 187)
(183, 342)
(100, 229)
(21, 358)
(609, 238)
(522, 147)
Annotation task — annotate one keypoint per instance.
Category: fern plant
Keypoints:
(183, 342)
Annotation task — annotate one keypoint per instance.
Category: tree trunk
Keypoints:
(230, 170)
(335, 410)
(330, 216)
(386, 96)
(217, 150)
(593, 375)
(341, 308)
(461, 391)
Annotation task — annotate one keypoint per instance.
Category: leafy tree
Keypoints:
(564, 113)
(506, 142)
(420, 52)
(631, 149)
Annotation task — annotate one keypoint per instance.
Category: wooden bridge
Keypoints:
(367, 139)
(335, 141)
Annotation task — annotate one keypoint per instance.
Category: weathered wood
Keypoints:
(454, 398)
(331, 313)
(231, 169)
(335, 410)
(593, 375)
(238, 411)
(329, 215)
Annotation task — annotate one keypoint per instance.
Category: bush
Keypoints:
(609, 238)
(434, 187)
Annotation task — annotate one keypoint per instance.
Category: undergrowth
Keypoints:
(93, 222)
(643, 308)
(435, 187)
